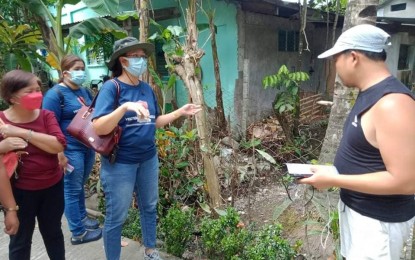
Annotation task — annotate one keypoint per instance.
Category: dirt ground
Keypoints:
(297, 220)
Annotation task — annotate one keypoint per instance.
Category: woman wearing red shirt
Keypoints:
(37, 183)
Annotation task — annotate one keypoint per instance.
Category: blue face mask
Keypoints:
(78, 77)
(136, 66)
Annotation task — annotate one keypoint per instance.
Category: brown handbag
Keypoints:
(82, 130)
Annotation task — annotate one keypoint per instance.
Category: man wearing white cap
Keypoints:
(376, 156)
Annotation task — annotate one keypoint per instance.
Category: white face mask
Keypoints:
(78, 77)
(136, 66)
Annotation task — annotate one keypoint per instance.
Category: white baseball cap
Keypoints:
(363, 37)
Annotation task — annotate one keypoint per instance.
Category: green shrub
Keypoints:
(132, 225)
(177, 229)
(223, 238)
(180, 178)
(269, 245)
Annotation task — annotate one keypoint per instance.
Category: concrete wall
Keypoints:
(78, 13)
(386, 11)
(226, 38)
(397, 40)
(259, 56)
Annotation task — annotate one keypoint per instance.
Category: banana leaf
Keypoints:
(103, 7)
(95, 26)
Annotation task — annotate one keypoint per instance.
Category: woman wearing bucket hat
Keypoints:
(136, 166)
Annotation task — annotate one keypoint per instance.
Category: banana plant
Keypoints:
(51, 24)
(18, 45)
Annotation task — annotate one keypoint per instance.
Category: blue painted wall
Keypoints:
(226, 41)
(226, 37)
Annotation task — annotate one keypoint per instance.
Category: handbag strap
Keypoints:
(117, 85)
(117, 98)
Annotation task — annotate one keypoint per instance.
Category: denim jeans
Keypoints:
(119, 181)
(82, 160)
(47, 207)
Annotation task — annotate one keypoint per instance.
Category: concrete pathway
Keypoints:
(89, 251)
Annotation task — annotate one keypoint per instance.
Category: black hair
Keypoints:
(13, 81)
(374, 56)
(117, 68)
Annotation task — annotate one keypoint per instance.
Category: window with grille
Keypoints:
(398, 7)
(98, 48)
(288, 41)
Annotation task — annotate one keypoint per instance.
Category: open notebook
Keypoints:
(300, 170)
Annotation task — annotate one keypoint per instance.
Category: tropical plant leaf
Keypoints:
(39, 8)
(71, 2)
(24, 62)
(53, 61)
(205, 208)
(96, 25)
(281, 208)
(156, 77)
(127, 14)
(169, 47)
(175, 30)
(172, 81)
(220, 212)
(18, 45)
(267, 156)
(103, 7)
(10, 61)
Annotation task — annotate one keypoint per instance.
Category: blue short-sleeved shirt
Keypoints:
(71, 105)
(137, 142)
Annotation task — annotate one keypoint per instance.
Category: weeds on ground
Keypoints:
(176, 229)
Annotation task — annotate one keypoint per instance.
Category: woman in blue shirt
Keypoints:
(65, 99)
(136, 166)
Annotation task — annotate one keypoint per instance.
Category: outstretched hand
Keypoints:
(190, 109)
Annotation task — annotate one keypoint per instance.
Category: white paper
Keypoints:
(305, 169)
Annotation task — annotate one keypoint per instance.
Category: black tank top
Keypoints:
(357, 156)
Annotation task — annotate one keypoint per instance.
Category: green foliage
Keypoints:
(177, 229)
(97, 28)
(57, 46)
(3, 105)
(132, 226)
(103, 7)
(268, 244)
(162, 85)
(180, 180)
(328, 222)
(223, 238)
(254, 142)
(99, 45)
(170, 38)
(18, 45)
(266, 156)
(11, 12)
(287, 98)
(227, 238)
(329, 5)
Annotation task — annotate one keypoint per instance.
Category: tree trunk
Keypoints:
(220, 113)
(301, 39)
(187, 72)
(357, 12)
(143, 14)
(142, 9)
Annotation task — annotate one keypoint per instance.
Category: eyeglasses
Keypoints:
(136, 56)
